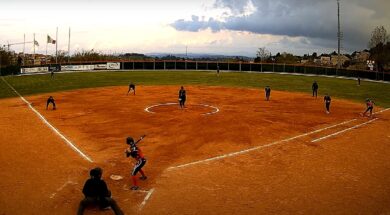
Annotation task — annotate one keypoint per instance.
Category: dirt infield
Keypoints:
(282, 171)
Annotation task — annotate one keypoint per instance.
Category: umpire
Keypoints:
(96, 193)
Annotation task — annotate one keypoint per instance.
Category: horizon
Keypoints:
(215, 27)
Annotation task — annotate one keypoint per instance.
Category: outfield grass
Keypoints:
(341, 88)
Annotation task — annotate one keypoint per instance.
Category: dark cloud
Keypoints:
(315, 20)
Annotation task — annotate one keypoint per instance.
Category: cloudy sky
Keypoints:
(231, 27)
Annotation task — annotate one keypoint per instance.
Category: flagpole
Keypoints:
(69, 47)
(24, 47)
(57, 46)
(34, 50)
(46, 45)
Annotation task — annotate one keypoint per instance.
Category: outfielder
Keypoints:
(136, 153)
(314, 88)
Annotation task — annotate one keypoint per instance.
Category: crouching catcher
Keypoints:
(97, 193)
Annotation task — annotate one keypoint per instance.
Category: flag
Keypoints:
(50, 40)
(36, 43)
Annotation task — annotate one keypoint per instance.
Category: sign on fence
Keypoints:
(100, 66)
(34, 70)
(77, 67)
(111, 65)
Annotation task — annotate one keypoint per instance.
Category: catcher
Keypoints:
(135, 152)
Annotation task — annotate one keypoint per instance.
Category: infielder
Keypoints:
(182, 97)
(327, 100)
(370, 106)
(131, 88)
(267, 90)
(50, 100)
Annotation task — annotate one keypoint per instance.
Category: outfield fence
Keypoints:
(163, 65)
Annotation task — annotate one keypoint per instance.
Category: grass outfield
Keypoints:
(341, 88)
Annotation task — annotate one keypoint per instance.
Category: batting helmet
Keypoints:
(130, 140)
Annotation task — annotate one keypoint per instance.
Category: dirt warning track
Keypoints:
(267, 160)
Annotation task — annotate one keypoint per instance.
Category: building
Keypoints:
(334, 59)
(325, 60)
(361, 57)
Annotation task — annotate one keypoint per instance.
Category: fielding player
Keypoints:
(314, 87)
(131, 88)
(267, 90)
(135, 153)
(50, 100)
(96, 192)
(182, 97)
(327, 100)
(370, 106)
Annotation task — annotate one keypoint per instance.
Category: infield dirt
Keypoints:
(345, 174)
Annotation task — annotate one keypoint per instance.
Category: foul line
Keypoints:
(381, 111)
(258, 147)
(49, 125)
(342, 131)
(146, 198)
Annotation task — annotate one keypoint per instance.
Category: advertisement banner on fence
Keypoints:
(77, 67)
(100, 66)
(113, 65)
(34, 70)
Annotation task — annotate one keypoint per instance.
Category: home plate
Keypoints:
(116, 177)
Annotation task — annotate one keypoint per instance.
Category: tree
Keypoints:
(381, 54)
(263, 54)
(378, 36)
(5, 57)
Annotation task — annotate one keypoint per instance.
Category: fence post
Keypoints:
(240, 66)
(284, 67)
(196, 65)
(165, 66)
(207, 65)
(273, 67)
(154, 64)
(261, 67)
(175, 65)
(133, 65)
(228, 66)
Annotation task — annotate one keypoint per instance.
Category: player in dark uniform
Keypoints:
(182, 97)
(267, 90)
(50, 100)
(96, 192)
(131, 88)
(314, 88)
(327, 100)
(135, 153)
(370, 106)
